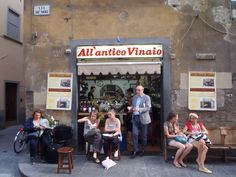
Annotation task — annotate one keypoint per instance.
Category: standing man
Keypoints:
(141, 106)
(90, 93)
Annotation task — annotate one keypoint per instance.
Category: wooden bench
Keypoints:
(230, 137)
(217, 137)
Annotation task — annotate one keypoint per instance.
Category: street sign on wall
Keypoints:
(41, 10)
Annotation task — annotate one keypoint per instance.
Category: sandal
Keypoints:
(177, 165)
(205, 170)
(183, 164)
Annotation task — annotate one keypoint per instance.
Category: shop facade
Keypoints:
(113, 75)
(190, 48)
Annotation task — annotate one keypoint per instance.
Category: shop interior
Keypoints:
(111, 93)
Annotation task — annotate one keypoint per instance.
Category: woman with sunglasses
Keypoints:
(197, 133)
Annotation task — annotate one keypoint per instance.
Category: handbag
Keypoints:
(181, 139)
(202, 136)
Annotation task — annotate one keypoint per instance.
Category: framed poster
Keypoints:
(59, 91)
(202, 91)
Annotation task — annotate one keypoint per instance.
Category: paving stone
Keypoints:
(148, 166)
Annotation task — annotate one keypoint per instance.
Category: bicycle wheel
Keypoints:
(19, 142)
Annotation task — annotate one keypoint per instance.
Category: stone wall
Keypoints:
(11, 60)
(192, 26)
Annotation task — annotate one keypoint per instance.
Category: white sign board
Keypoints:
(120, 51)
(233, 13)
(202, 91)
(42, 10)
(59, 91)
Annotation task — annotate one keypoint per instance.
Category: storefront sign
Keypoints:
(42, 10)
(202, 91)
(122, 51)
(59, 91)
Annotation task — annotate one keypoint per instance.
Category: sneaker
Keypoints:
(116, 153)
(142, 153)
(133, 155)
(94, 155)
(32, 160)
(97, 161)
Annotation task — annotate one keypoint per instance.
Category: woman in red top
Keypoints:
(194, 128)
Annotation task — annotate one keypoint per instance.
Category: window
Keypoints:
(13, 25)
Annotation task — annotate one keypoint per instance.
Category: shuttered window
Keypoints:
(13, 25)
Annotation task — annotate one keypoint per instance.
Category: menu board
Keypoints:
(59, 91)
(202, 91)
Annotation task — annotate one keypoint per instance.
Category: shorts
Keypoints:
(169, 140)
(191, 140)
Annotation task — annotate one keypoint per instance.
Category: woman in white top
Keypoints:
(113, 127)
(92, 134)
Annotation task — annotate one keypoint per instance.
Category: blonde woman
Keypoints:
(197, 133)
(113, 134)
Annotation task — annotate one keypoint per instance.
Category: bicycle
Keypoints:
(20, 140)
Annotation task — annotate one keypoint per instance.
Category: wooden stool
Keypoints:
(65, 151)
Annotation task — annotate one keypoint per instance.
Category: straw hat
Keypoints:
(193, 115)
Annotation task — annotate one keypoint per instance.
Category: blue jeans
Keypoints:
(137, 125)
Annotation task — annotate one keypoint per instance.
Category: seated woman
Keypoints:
(172, 132)
(113, 127)
(196, 131)
(91, 134)
(37, 135)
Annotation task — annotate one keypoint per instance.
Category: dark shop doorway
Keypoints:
(111, 89)
(11, 103)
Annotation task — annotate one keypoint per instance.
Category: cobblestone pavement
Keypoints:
(8, 159)
(148, 166)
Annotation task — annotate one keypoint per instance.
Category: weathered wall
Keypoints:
(207, 35)
(81, 19)
(11, 58)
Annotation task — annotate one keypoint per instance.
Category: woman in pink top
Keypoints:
(195, 130)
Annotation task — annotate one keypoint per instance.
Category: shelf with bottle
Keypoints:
(87, 106)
